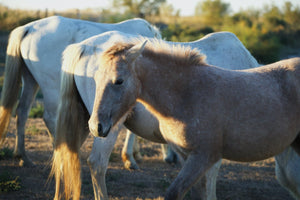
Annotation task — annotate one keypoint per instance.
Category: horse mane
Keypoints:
(160, 51)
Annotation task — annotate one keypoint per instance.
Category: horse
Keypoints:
(34, 55)
(205, 113)
(78, 81)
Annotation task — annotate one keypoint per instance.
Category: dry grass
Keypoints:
(247, 181)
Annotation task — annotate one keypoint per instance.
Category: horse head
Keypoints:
(117, 87)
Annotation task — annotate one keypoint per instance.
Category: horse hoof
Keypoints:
(130, 166)
(137, 156)
(168, 160)
(27, 163)
(24, 160)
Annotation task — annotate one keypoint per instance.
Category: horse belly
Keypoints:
(255, 147)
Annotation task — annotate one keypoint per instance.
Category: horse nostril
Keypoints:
(99, 128)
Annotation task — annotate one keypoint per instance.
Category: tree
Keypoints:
(273, 19)
(140, 8)
(292, 16)
(212, 11)
(166, 10)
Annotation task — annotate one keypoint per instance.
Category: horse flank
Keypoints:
(12, 81)
(71, 130)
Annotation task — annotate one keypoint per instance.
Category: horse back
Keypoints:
(287, 75)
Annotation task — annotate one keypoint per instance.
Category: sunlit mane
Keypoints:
(160, 51)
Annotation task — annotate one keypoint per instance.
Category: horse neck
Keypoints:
(162, 85)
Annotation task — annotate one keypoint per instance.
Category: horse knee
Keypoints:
(97, 166)
(99, 157)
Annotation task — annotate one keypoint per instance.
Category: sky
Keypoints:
(186, 6)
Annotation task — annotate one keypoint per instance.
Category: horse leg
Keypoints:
(128, 151)
(136, 150)
(98, 162)
(287, 165)
(168, 154)
(205, 188)
(49, 118)
(195, 166)
(296, 145)
(29, 90)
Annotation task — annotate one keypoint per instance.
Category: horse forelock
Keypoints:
(117, 49)
(159, 51)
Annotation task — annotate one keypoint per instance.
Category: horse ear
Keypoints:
(134, 52)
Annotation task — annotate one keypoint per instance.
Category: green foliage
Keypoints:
(12, 18)
(9, 183)
(184, 33)
(212, 11)
(265, 32)
(139, 8)
(37, 111)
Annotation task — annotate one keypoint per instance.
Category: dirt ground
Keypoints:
(236, 181)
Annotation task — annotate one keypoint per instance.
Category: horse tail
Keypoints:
(12, 81)
(71, 130)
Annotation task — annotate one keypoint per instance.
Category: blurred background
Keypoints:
(269, 30)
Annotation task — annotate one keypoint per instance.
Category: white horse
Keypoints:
(34, 55)
(34, 52)
(79, 59)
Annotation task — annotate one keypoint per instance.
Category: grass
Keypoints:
(9, 183)
(32, 130)
(140, 184)
(164, 183)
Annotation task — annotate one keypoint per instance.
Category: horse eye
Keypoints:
(119, 81)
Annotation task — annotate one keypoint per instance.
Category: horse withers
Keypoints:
(206, 113)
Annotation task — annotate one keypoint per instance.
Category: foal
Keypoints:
(206, 113)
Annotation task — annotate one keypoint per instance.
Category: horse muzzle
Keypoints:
(98, 130)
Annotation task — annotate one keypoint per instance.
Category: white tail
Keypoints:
(71, 130)
(12, 80)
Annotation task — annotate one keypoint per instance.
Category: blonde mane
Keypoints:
(160, 51)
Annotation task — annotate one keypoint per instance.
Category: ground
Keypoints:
(245, 181)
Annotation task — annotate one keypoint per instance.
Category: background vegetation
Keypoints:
(270, 33)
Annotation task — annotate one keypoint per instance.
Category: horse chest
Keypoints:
(175, 132)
